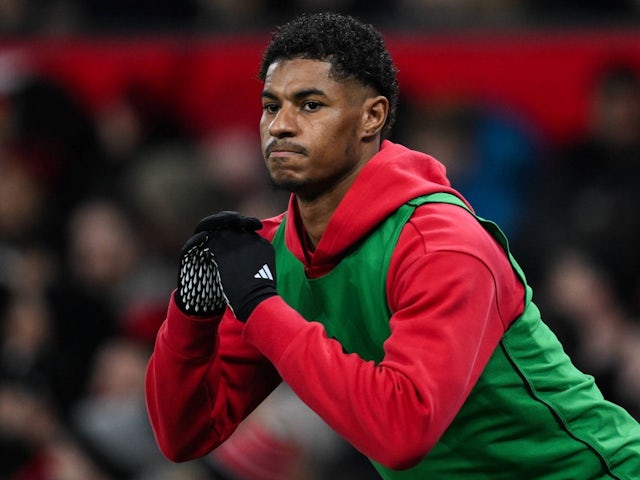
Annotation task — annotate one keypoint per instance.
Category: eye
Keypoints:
(311, 106)
(270, 107)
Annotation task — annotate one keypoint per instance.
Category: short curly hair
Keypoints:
(355, 50)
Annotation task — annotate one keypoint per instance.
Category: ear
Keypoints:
(374, 114)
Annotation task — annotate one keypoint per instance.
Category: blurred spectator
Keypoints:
(285, 439)
(118, 16)
(64, 17)
(167, 194)
(28, 353)
(581, 11)
(232, 165)
(34, 444)
(381, 12)
(43, 17)
(491, 154)
(591, 186)
(231, 16)
(179, 471)
(12, 15)
(599, 334)
(103, 248)
(48, 152)
(22, 202)
(113, 281)
(133, 121)
(459, 13)
(111, 417)
(582, 240)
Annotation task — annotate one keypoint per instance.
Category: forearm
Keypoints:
(178, 403)
(358, 399)
(396, 410)
(202, 380)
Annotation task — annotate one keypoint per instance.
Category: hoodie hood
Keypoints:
(390, 179)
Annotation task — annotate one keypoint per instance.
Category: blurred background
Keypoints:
(123, 123)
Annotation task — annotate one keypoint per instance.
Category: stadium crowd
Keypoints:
(99, 16)
(94, 211)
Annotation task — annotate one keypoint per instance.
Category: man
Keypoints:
(398, 315)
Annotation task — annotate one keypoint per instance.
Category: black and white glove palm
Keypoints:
(199, 291)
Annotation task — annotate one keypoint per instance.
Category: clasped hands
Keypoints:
(225, 262)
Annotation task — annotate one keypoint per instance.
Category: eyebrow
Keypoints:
(298, 95)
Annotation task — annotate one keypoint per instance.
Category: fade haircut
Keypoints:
(355, 50)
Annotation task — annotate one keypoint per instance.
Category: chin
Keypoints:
(287, 184)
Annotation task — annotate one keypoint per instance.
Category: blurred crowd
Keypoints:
(95, 208)
(96, 16)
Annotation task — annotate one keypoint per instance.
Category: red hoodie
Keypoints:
(452, 293)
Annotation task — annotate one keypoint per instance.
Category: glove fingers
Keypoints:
(232, 239)
(228, 219)
(216, 221)
(196, 241)
(250, 224)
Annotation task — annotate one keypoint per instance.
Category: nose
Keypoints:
(284, 123)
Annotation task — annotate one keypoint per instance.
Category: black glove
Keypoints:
(199, 290)
(247, 267)
(228, 219)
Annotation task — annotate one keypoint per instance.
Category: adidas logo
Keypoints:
(264, 272)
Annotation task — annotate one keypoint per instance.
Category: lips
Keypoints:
(283, 153)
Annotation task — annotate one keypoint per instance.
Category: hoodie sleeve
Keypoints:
(452, 292)
(203, 379)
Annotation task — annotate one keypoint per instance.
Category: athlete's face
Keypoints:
(312, 126)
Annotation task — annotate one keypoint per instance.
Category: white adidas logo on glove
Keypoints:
(264, 272)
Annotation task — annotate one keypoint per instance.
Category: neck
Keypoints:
(316, 211)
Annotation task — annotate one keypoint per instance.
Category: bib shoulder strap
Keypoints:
(491, 227)
(439, 197)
